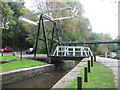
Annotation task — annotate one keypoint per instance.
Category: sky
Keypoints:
(102, 14)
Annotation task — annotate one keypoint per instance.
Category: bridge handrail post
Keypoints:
(54, 51)
(57, 50)
(73, 51)
(91, 52)
(84, 51)
(65, 51)
(81, 52)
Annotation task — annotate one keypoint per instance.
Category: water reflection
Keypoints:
(43, 81)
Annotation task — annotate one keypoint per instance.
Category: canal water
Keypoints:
(46, 80)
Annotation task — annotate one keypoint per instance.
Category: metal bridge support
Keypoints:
(54, 34)
(38, 32)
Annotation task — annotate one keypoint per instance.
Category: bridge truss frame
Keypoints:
(55, 32)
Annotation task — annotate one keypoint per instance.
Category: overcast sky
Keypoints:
(103, 15)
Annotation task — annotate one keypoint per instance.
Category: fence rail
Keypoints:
(72, 51)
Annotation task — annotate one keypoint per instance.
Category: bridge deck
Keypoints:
(67, 57)
(55, 58)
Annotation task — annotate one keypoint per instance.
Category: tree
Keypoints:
(113, 47)
(11, 13)
(119, 43)
(94, 36)
(7, 23)
(7, 16)
(16, 7)
(103, 47)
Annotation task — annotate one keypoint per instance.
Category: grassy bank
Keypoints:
(25, 63)
(69, 61)
(100, 77)
(4, 58)
(40, 54)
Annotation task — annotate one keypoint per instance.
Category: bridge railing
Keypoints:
(72, 51)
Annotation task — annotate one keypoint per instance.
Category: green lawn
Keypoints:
(41, 54)
(4, 58)
(69, 60)
(100, 77)
(18, 64)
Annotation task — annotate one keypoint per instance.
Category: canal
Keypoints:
(46, 80)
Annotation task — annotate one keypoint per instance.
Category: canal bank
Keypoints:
(24, 73)
(22, 78)
(68, 78)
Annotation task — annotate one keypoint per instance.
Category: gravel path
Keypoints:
(114, 64)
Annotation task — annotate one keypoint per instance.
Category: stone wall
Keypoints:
(20, 74)
(65, 65)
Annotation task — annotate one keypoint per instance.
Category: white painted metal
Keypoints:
(55, 10)
(72, 51)
(28, 20)
(45, 13)
(61, 18)
(36, 23)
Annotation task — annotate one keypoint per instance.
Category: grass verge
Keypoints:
(40, 54)
(25, 63)
(4, 58)
(69, 61)
(100, 77)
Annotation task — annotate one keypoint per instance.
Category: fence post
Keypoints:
(89, 66)
(91, 61)
(14, 53)
(79, 80)
(1, 53)
(95, 57)
(85, 74)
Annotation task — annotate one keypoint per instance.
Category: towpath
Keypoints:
(68, 78)
(114, 64)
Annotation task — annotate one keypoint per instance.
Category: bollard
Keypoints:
(85, 74)
(79, 79)
(14, 53)
(95, 57)
(89, 66)
(106, 54)
(91, 61)
(1, 53)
